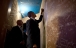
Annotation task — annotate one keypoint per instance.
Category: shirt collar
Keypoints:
(32, 18)
(19, 26)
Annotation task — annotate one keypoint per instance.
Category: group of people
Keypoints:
(26, 35)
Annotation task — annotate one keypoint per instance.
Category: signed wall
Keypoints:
(60, 23)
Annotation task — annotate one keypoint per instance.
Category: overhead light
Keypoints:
(21, 2)
(24, 8)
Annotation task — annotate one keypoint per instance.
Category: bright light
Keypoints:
(9, 10)
(24, 9)
(21, 2)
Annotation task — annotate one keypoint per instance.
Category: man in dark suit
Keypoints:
(18, 37)
(32, 30)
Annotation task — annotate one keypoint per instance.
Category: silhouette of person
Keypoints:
(18, 37)
(32, 29)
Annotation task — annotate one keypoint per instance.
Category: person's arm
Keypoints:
(40, 19)
(27, 27)
(12, 37)
(41, 16)
(12, 33)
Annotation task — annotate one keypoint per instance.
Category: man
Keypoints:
(18, 37)
(32, 30)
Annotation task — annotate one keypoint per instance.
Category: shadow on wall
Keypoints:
(67, 27)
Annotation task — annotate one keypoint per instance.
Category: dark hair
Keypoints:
(29, 13)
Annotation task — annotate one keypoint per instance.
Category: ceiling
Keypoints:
(29, 5)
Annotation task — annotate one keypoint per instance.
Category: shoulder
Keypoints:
(14, 27)
(28, 20)
(24, 24)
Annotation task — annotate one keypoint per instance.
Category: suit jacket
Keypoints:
(17, 36)
(24, 27)
(33, 31)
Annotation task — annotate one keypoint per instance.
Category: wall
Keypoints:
(3, 20)
(60, 23)
(14, 14)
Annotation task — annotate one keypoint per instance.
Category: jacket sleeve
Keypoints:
(40, 19)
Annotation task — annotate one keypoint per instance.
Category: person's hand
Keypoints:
(42, 10)
(22, 42)
(34, 46)
(26, 33)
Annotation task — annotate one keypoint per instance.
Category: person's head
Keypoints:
(19, 22)
(34, 46)
(31, 14)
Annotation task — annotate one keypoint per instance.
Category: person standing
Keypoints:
(32, 29)
(18, 37)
